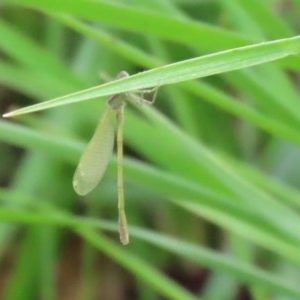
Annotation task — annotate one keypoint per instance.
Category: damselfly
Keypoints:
(96, 156)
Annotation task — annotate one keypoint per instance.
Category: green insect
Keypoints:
(96, 156)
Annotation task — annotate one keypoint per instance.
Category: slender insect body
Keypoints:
(95, 158)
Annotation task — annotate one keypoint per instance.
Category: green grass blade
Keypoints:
(130, 18)
(194, 253)
(212, 64)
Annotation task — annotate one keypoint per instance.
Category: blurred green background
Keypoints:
(211, 182)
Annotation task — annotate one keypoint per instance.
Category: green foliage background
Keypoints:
(211, 171)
